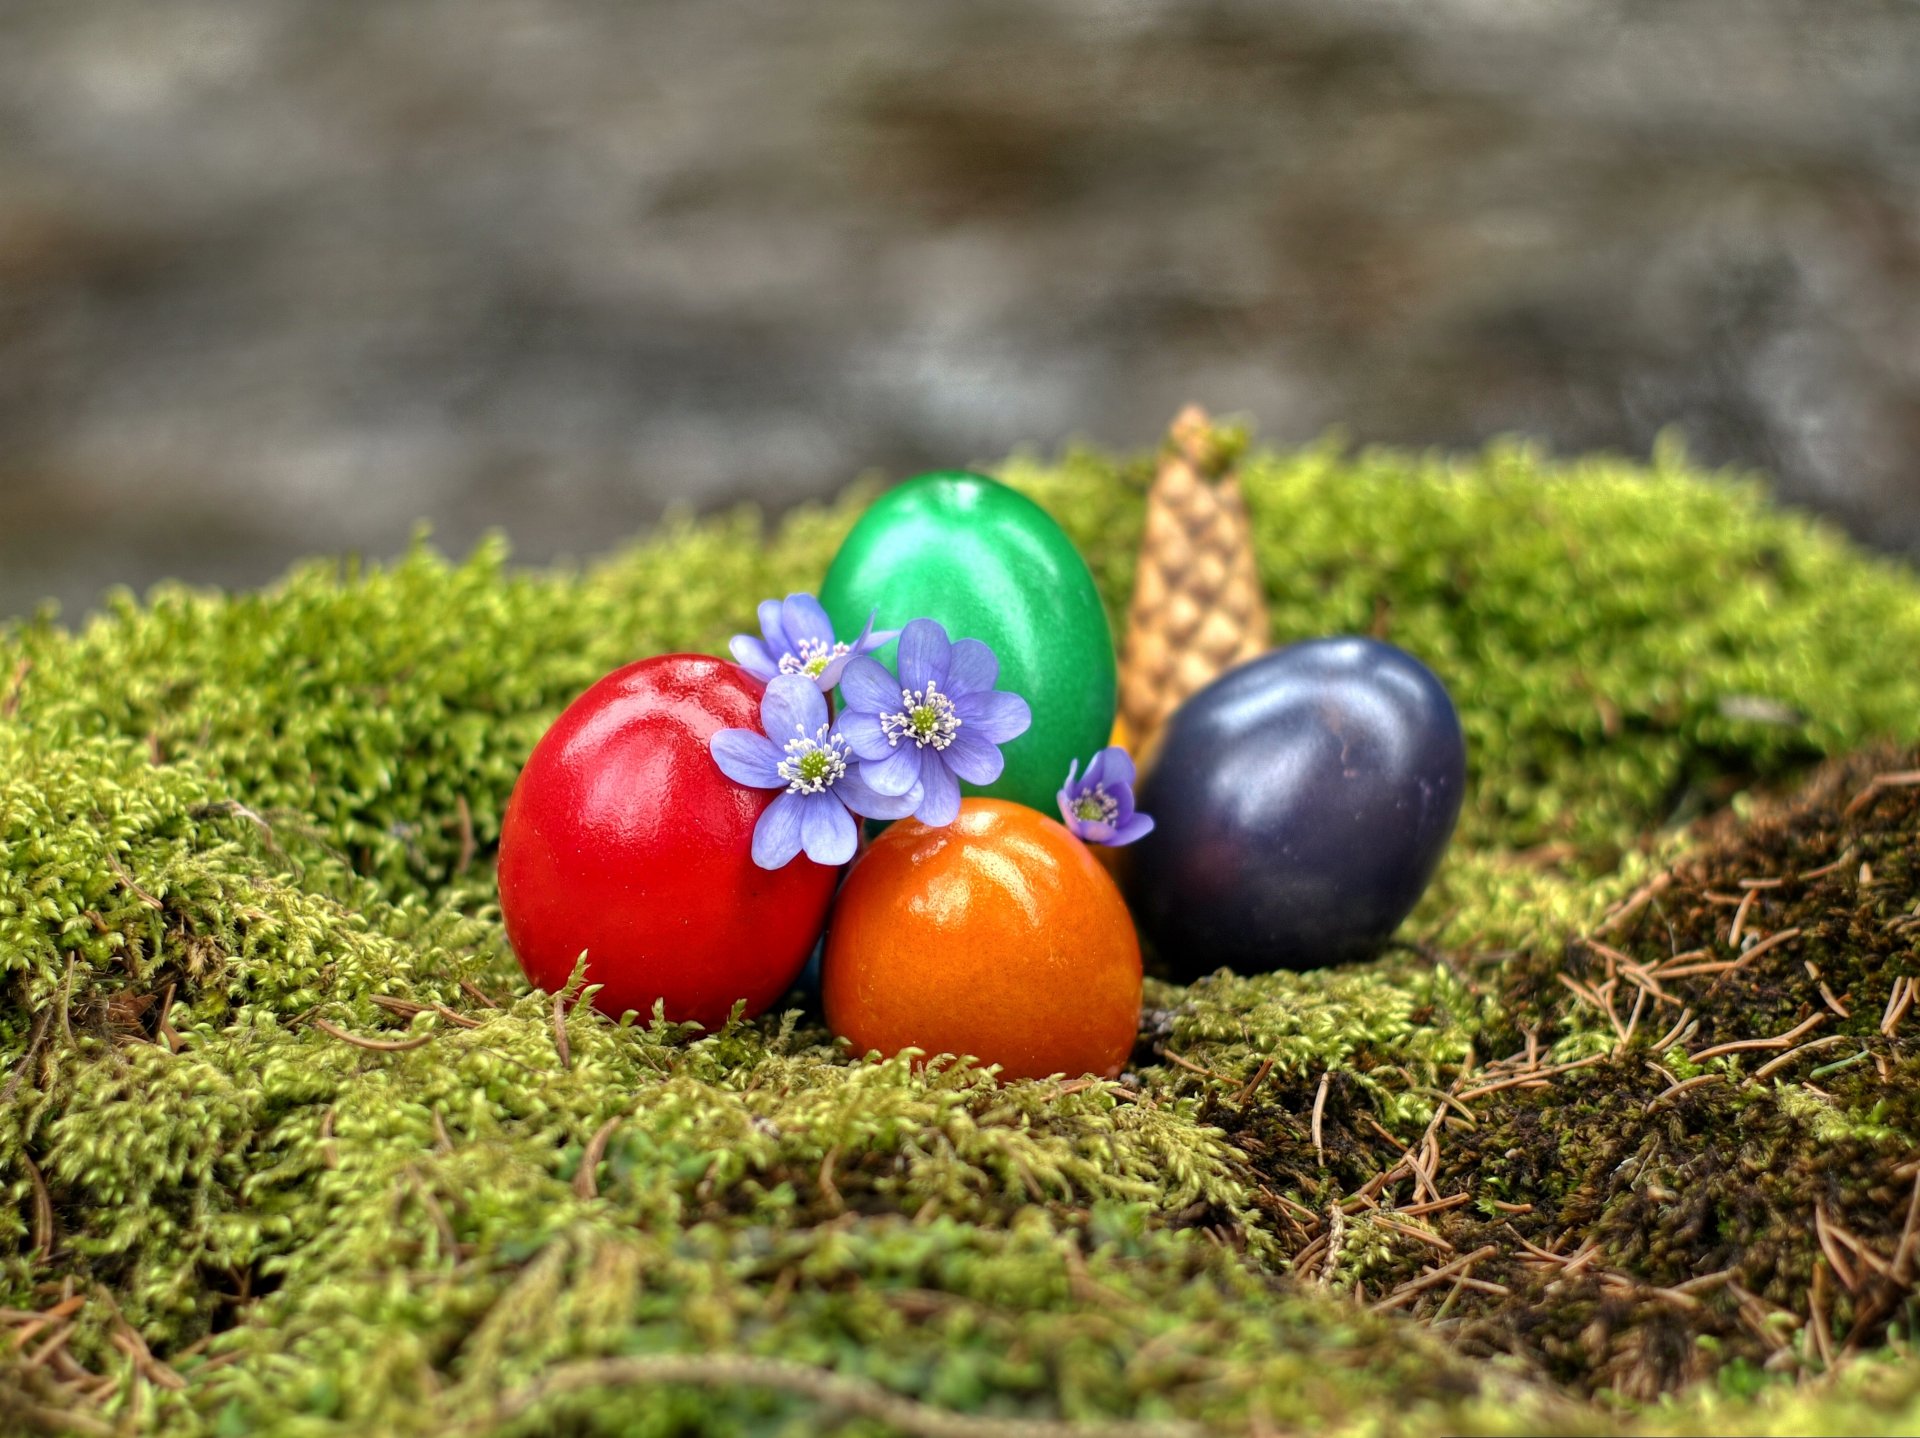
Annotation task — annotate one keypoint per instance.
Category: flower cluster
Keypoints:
(900, 746)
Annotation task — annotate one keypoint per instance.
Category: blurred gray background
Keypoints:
(284, 276)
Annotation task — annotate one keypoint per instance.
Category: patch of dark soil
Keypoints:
(1722, 1164)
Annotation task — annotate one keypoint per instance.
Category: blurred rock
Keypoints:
(279, 276)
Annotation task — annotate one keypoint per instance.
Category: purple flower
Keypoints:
(798, 639)
(940, 722)
(804, 754)
(1099, 806)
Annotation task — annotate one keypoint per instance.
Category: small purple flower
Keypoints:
(940, 722)
(804, 754)
(1098, 807)
(797, 638)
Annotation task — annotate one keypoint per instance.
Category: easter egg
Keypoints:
(997, 935)
(1301, 803)
(989, 564)
(624, 840)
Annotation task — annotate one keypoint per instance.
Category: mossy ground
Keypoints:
(287, 1145)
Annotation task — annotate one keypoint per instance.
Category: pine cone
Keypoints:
(1197, 608)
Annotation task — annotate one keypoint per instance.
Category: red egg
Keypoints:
(624, 839)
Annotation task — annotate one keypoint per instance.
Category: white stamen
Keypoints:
(1096, 806)
(813, 765)
(926, 717)
(813, 658)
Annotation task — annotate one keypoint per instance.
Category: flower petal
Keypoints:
(803, 618)
(861, 729)
(895, 773)
(973, 758)
(871, 640)
(1138, 827)
(971, 669)
(1065, 800)
(770, 626)
(866, 685)
(924, 651)
(776, 838)
(1072, 788)
(1119, 767)
(747, 758)
(828, 678)
(753, 656)
(940, 805)
(792, 704)
(1096, 769)
(827, 830)
(870, 803)
(996, 716)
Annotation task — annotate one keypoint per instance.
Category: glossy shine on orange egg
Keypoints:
(999, 936)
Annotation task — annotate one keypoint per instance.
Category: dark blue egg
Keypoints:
(1301, 803)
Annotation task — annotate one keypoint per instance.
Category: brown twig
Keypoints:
(1878, 785)
(42, 1208)
(120, 870)
(1673, 1035)
(41, 1022)
(407, 1008)
(1830, 1246)
(1846, 854)
(1538, 1076)
(1411, 1231)
(1413, 1287)
(829, 1190)
(560, 1040)
(1635, 902)
(1898, 1002)
(1633, 1022)
(1189, 1065)
(1727, 966)
(1437, 1205)
(478, 994)
(12, 705)
(1679, 1088)
(586, 1184)
(1773, 1066)
(382, 1045)
(162, 1027)
(129, 1341)
(1779, 1041)
(1253, 1084)
(1817, 1322)
(1319, 1113)
(1740, 919)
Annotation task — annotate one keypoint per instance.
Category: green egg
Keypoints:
(989, 564)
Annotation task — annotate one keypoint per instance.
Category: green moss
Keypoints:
(233, 829)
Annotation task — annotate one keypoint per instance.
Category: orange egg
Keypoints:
(998, 936)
